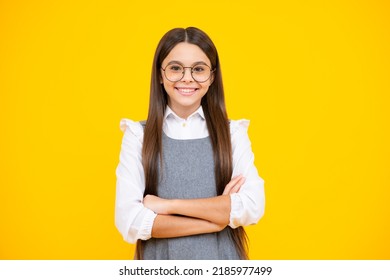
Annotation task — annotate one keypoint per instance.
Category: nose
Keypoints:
(187, 76)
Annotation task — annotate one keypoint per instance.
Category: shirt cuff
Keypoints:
(146, 225)
(236, 210)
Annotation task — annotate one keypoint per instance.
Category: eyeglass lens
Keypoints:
(175, 72)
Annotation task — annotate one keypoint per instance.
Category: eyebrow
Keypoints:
(195, 63)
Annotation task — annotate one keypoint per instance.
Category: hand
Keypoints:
(234, 185)
(156, 204)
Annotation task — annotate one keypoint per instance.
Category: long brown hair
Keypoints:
(214, 108)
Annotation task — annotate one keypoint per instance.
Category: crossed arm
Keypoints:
(204, 215)
(135, 215)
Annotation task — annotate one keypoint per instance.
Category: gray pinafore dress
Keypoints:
(188, 172)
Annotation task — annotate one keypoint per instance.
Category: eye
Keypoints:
(199, 68)
(175, 68)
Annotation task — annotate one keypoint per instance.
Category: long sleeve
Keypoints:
(247, 206)
(132, 219)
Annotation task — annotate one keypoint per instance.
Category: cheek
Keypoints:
(166, 84)
(207, 87)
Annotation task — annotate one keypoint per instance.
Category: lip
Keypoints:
(186, 91)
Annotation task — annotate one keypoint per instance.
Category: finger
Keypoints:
(233, 181)
(228, 187)
(231, 184)
(149, 200)
(237, 187)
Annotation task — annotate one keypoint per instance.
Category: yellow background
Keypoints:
(312, 76)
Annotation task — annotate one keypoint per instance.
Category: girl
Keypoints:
(186, 181)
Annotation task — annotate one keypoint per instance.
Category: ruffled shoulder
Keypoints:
(132, 126)
(238, 125)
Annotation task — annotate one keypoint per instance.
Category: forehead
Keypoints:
(187, 54)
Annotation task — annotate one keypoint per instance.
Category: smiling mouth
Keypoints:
(186, 91)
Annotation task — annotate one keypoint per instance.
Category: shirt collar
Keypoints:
(170, 113)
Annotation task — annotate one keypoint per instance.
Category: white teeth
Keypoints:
(186, 90)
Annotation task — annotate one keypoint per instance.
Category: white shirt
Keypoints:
(135, 221)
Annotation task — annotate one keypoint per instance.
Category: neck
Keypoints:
(184, 112)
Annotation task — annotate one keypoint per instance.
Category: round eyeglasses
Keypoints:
(174, 72)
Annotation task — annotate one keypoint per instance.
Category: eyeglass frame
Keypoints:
(184, 71)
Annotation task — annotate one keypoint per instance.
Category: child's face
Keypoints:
(184, 96)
